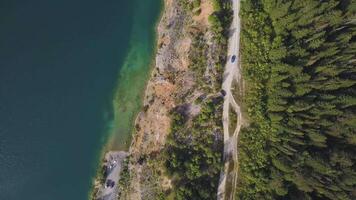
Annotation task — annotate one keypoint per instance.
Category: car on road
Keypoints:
(223, 92)
(233, 58)
(109, 183)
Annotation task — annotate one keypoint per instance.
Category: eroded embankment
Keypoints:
(128, 98)
(185, 84)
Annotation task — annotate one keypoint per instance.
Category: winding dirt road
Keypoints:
(228, 176)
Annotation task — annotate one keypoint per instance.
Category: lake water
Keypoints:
(64, 66)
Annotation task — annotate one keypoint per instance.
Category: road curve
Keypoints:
(232, 72)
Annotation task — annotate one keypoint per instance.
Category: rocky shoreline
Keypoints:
(153, 123)
(173, 84)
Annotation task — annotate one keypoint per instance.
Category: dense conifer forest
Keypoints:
(298, 59)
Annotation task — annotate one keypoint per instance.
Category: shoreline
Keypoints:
(108, 148)
(110, 145)
(184, 85)
(177, 84)
(150, 72)
(172, 80)
(143, 126)
(152, 66)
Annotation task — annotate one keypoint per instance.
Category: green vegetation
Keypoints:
(194, 151)
(149, 177)
(124, 177)
(220, 20)
(191, 6)
(232, 121)
(197, 55)
(298, 59)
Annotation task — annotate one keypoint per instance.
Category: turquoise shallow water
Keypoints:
(134, 73)
(59, 68)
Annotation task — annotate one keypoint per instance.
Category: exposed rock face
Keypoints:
(172, 81)
(173, 85)
(153, 123)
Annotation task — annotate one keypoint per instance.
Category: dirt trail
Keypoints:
(232, 73)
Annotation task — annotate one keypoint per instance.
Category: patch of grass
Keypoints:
(232, 121)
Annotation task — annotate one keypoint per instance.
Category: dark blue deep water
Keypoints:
(59, 64)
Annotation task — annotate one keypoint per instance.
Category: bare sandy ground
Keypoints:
(232, 73)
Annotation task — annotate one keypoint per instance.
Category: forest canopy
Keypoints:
(298, 59)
